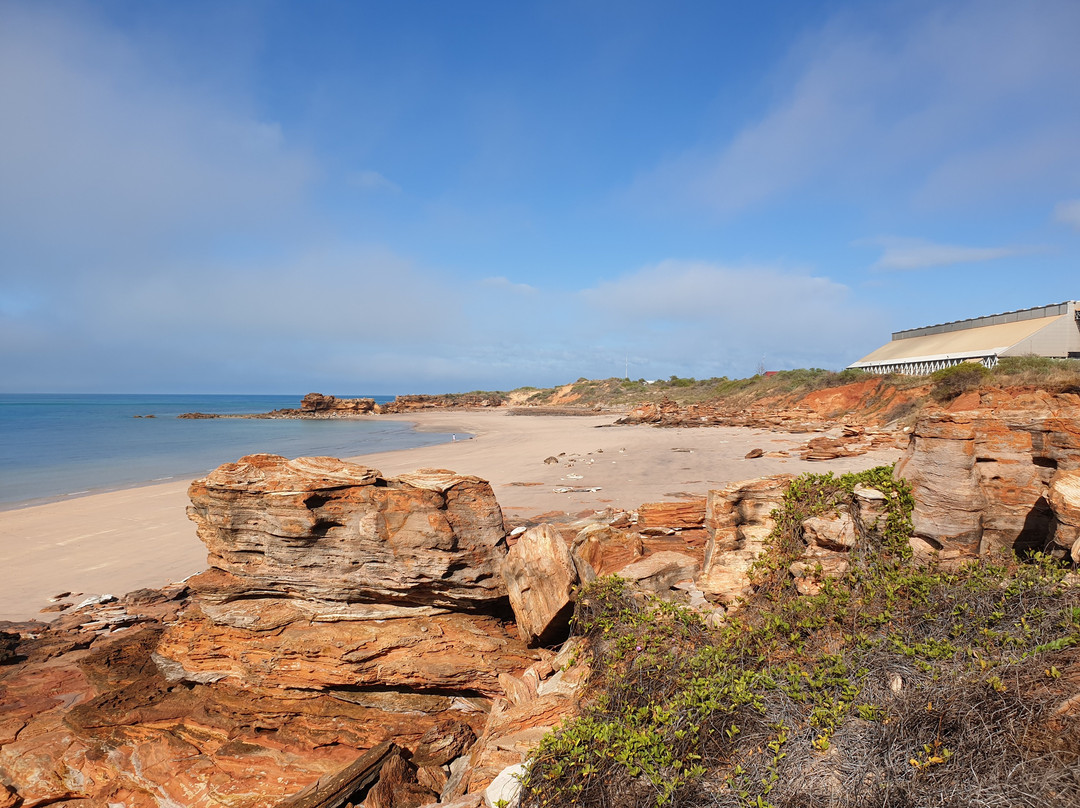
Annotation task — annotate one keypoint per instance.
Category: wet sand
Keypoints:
(119, 541)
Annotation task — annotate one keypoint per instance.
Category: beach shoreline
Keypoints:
(118, 541)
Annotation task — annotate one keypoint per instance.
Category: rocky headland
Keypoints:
(397, 640)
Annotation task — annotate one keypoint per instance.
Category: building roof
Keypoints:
(987, 340)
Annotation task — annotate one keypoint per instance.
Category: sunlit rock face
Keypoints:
(321, 528)
(981, 477)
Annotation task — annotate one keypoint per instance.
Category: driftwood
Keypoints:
(334, 790)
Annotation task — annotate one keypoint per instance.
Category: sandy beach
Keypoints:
(119, 541)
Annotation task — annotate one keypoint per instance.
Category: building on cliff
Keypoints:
(1052, 330)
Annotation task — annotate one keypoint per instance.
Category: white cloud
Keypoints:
(921, 101)
(1068, 212)
(913, 254)
(706, 319)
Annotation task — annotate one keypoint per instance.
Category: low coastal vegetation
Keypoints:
(896, 684)
(1053, 375)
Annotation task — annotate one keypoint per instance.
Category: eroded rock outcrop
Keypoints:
(981, 477)
(342, 609)
(318, 403)
(320, 528)
(738, 519)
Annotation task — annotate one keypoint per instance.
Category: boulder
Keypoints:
(444, 742)
(540, 576)
(322, 528)
(398, 787)
(871, 506)
(830, 532)
(9, 642)
(505, 789)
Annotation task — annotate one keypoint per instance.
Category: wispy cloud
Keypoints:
(1068, 212)
(709, 319)
(917, 102)
(913, 254)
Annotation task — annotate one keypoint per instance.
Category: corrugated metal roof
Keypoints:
(986, 340)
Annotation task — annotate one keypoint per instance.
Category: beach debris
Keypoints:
(93, 600)
(574, 477)
(680, 449)
(568, 490)
(551, 460)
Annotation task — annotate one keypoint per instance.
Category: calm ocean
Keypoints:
(59, 445)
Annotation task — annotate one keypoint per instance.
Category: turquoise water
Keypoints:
(59, 445)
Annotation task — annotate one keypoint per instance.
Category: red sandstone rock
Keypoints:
(831, 532)
(326, 529)
(1064, 497)
(685, 514)
(318, 403)
(738, 520)
(660, 572)
(540, 576)
(274, 644)
(606, 549)
(398, 787)
(981, 478)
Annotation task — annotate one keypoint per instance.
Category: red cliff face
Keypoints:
(981, 477)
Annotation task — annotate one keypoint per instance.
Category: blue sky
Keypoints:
(418, 196)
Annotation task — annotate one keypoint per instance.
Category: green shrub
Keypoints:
(896, 685)
(951, 382)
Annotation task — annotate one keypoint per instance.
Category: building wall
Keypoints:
(1059, 339)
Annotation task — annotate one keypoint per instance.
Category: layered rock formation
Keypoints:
(341, 609)
(322, 529)
(318, 403)
(981, 477)
(738, 519)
